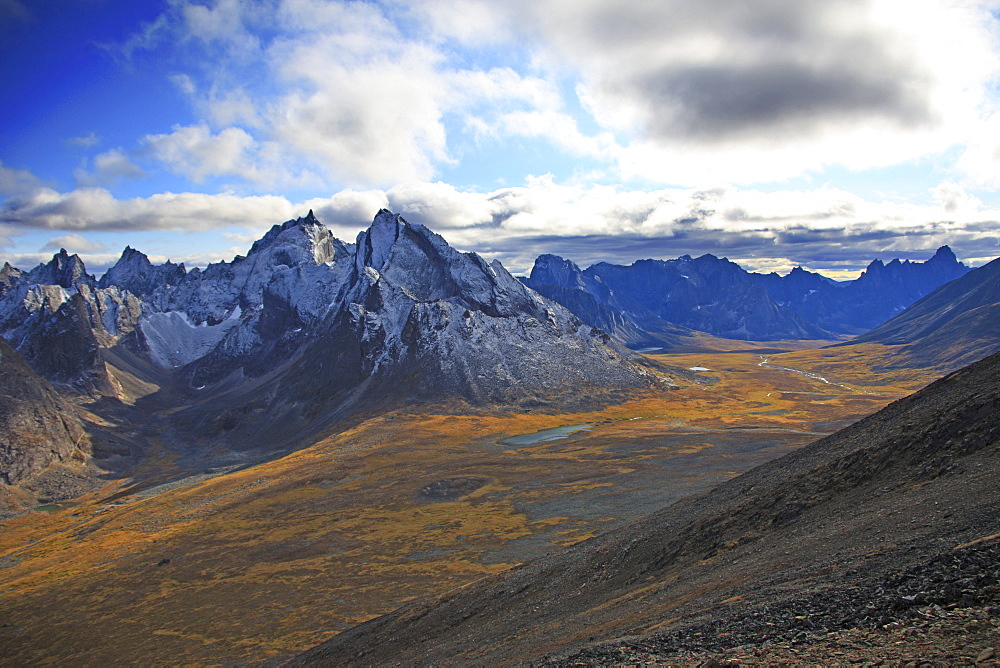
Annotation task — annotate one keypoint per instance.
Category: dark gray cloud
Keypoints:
(719, 70)
(719, 102)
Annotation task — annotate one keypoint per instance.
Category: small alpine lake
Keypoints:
(545, 435)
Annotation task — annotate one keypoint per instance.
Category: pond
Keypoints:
(545, 435)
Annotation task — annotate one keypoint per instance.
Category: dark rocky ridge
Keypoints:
(879, 293)
(654, 302)
(840, 532)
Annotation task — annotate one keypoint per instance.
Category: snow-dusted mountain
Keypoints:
(59, 320)
(307, 326)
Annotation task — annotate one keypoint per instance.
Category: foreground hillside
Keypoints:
(893, 518)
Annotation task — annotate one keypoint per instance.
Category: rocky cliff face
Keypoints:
(60, 330)
(37, 427)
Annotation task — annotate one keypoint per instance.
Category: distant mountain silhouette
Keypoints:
(654, 302)
(954, 325)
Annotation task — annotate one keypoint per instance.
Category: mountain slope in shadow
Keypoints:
(955, 325)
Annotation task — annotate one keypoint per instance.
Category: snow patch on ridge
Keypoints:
(175, 341)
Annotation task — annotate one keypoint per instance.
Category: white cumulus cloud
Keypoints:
(107, 168)
(74, 243)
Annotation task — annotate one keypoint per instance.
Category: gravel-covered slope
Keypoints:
(827, 534)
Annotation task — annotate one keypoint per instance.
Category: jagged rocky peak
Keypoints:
(944, 259)
(416, 259)
(806, 279)
(375, 244)
(64, 270)
(554, 270)
(300, 241)
(917, 277)
(9, 277)
(135, 273)
(945, 264)
(944, 255)
(10, 271)
(874, 266)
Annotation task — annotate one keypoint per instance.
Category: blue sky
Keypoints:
(821, 133)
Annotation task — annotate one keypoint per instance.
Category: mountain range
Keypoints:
(398, 300)
(651, 302)
(273, 348)
(270, 349)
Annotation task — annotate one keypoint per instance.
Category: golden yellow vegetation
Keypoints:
(268, 560)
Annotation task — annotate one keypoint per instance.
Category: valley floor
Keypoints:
(262, 561)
